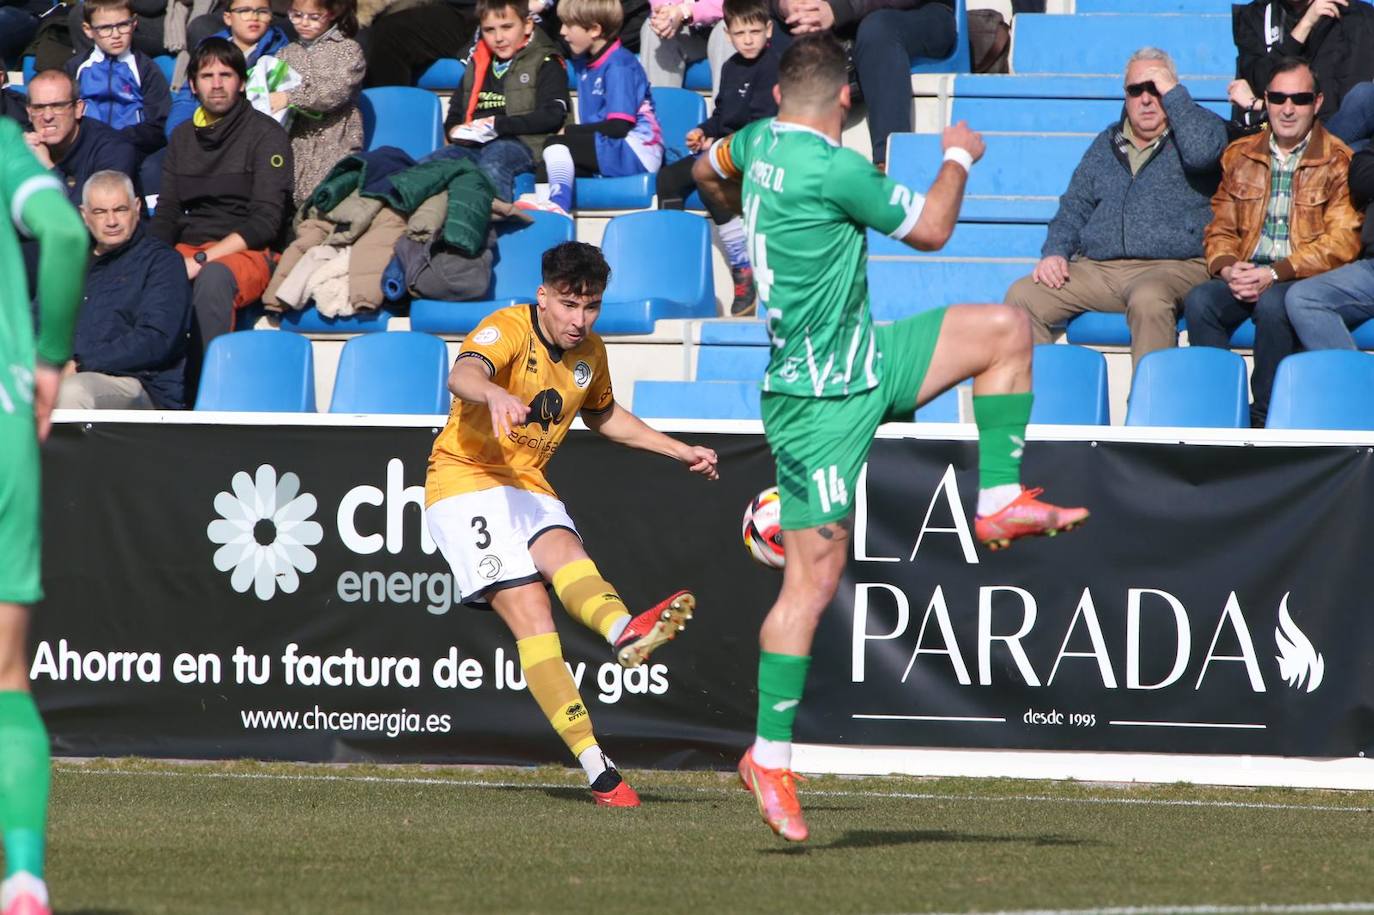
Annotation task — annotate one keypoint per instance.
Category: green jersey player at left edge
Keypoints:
(30, 371)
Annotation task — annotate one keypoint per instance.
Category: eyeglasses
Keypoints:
(253, 12)
(1136, 90)
(312, 18)
(54, 107)
(1297, 98)
(123, 27)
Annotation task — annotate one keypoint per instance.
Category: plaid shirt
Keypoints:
(1273, 241)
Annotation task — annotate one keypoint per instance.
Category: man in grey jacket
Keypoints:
(1128, 234)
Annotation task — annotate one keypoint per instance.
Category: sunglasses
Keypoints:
(1297, 98)
(1136, 90)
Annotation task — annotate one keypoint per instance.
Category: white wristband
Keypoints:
(960, 155)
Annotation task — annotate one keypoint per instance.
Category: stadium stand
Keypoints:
(1327, 389)
(1070, 386)
(402, 116)
(660, 268)
(403, 372)
(678, 110)
(258, 371)
(1192, 386)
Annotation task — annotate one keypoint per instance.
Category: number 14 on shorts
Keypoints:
(831, 487)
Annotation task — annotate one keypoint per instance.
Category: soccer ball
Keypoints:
(763, 530)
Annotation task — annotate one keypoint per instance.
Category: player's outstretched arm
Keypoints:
(624, 428)
(470, 381)
(941, 211)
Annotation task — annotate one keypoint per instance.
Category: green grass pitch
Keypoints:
(134, 836)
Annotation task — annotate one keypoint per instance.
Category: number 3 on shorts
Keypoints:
(832, 491)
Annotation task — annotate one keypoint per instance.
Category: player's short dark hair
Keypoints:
(812, 70)
(746, 11)
(1287, 64)
(576, 267)
(221, 51)
(521, 8)
(88, 8)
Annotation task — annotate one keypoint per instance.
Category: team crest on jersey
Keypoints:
(582, 374)
(486, 336)
(490, 567)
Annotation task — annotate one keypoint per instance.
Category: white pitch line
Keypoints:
(900, 795)
(1187, 909)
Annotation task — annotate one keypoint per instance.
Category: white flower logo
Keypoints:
(264, 529)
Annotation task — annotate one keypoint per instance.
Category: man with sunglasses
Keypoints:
(1282, 213)
(64, 140)
(1128, 234)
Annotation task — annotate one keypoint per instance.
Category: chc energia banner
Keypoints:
(1215, 603)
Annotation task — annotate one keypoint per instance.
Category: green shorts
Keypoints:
(20, 557)
(820, 444)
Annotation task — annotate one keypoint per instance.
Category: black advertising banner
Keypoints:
(252, 591)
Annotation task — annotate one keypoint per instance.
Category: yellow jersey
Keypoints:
(556, 383)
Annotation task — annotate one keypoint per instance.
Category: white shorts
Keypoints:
(486, 537)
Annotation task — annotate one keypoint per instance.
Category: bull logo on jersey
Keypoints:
(546, 409)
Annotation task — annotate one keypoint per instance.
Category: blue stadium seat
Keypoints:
(660, 268)
(515, 275)
(1019, 179)
(732, 363)
(1070, 386)
(1061, 115)
(972, 239)
(697, 399)
(1102, 328)
(1100, 44)
(29, 67)
(958, 60)
(698, 76)
(392, 373)
(444, 73)
(1070, 86)
(734, 332)
(402, 116)
(1325, 389)
(258, 371)
(310, 321)
(900, 288)
(1191, 386)
(678, 110)
(1217, 7)
(167, 64)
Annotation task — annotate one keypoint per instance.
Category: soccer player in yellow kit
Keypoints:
(519, 379)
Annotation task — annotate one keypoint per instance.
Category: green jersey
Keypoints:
(807, 202)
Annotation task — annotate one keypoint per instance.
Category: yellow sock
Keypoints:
(541, 658)
(589, 598)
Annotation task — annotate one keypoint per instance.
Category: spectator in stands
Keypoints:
(1128, 233)
(248, 24)
(1282, 213)
(405, 40)
(1335, 36)
(1324, 308)
(121, 85)
(13, 104)
(226, 191)
(129, 351)
(147, 39)
(887, 36)
(18, 24)
(618, 132)
(64, 140)
(634, 13)
(745, 94)
(679, 33)
(512, 98)
(326, 125)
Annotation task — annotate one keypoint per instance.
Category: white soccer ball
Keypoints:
(763, 529)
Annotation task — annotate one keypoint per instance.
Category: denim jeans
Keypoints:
(1323, 308)
(501, 160)
(1213, 314)
(1354, 122)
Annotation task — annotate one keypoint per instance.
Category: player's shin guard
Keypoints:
(589, 598)
(1001, 422)
(24, 776)
(541, 658)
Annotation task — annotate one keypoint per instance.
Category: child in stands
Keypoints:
(618, 133)
(248, 24)
(745, 95)
(121, 86)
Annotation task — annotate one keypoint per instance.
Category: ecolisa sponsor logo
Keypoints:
(1007, 620)
(265, 532)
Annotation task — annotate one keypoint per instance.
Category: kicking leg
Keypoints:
(525, 610)
(992, 345)
(24, 772)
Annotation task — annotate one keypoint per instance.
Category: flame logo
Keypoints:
(1298, 660)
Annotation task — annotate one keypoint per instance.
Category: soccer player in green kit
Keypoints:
(833, 376)
(35, 204)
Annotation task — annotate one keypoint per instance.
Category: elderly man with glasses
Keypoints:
(72, 146)
(1128, 234)
(1282, 213)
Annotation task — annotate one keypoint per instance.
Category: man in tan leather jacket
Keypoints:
(1281, 213)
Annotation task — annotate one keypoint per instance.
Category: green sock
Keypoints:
(781, 680)
(1001, 422)
(24, 764)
